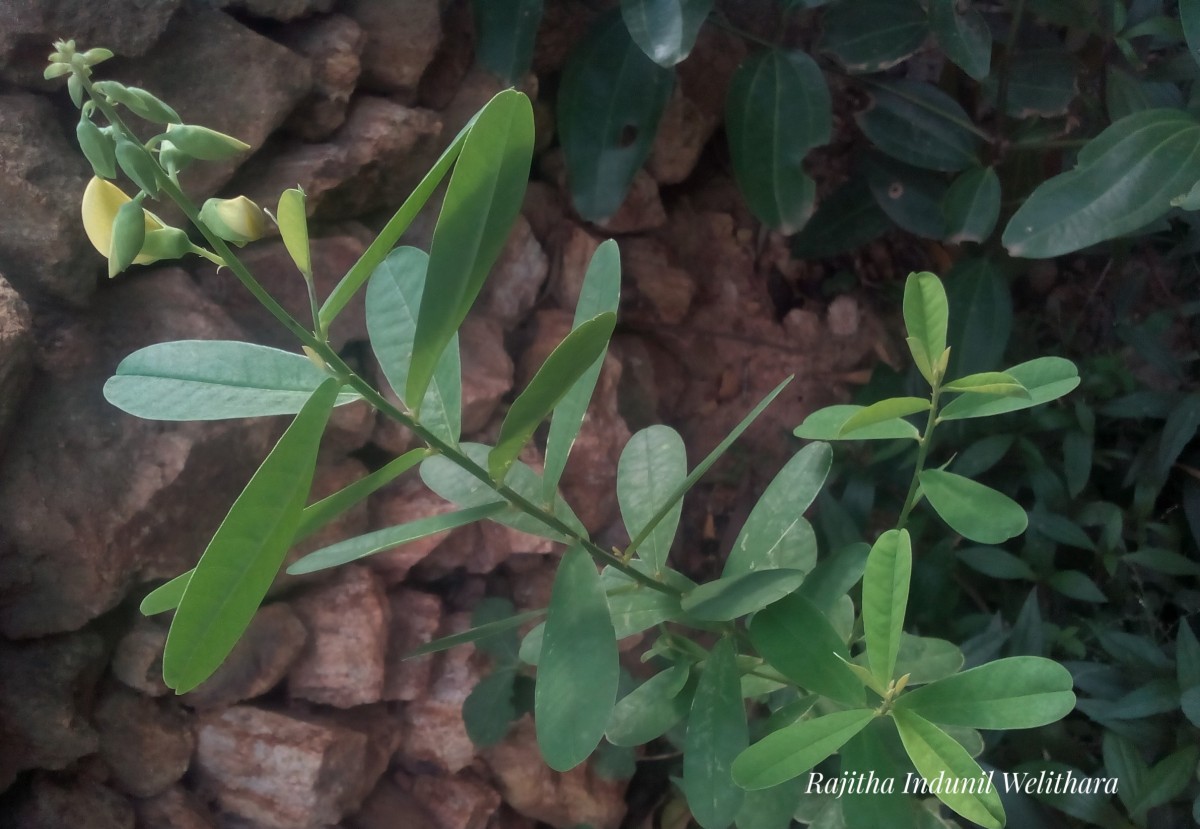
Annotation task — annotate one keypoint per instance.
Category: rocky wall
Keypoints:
(316, 720)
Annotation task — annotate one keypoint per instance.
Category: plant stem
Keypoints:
(924, 443)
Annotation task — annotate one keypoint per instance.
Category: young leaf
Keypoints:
(665, 30)
(777, 109)
(734, 596)
(579, 350)
(213, 380)
(292, 219)
(934, 753)
(578, 669)
(650, 469)
(651, 709)
(1018, 692)
(845, 221)
(482, 201)
(241, 561)
(794, 749)
(926, 314)
(884, 600)
(1046, 379)
(166, 596)
(919, 124)
(973, 510)
(716, 734)
(315, 516)
(600, 292)
(798, 641)
(964, 37)
(610, 101)
(776, 534)
(833, 577)
(882, 412)
(506, 30)
(873, 35)
(972, 206)
(475, 634)
(827, 424)
(997, 383)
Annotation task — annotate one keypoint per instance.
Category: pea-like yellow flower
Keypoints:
(235, 220)
(101, 201)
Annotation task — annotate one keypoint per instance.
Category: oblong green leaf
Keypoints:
(166, 596)
(1046, 379)
(488, 709)
(777, 109)
(980, 315)
(926, 314)
(213, 380)
(1125, 178)
(244, 555)
(873, 35)
(1189, 17)
(919, 124)
(911, 197)
(1018, 692)
(635, 607)
(998, 383)
(1076, 585)
(924, 659)
(1040, 82)
(996, 563)
(481, 203)
(578, 668)
(570, 359)
(884, 601)
(797, 640)
(651, 709)
(292, 218)
(845, 221)
(728, 598)
(963, 35)
(665, 30)
(827, 423)
(882, 412)
(610, 101)
(475, 634)
(716, 734)
(972, 206)
(794, 749)
(973, 510)
(650, 469)
(505, 33)
(315, 516)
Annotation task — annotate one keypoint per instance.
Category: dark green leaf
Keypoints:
(1046, 378)
(733, 596)
(1040, 83)
(1077, 461)
(1123, 761)
(980, 315)
(873, 35)
(1187, 657)
(1018, 692)
(794, 749)
(665, 30)
(963, 35)
(983, 454)
(973, 510)
(1093, 808)
(845, 221)
(488, 709)
(885, 598)
(1124, 94)
(996, 563)
(1075, 585)
(827, 424)
(834, 576)
(505, 31)
(1164, 561)
(920, 125)
(926, 660)
(1189, 16)
(651, 467)
(635, 607)
(651, 709)
(972, 206)
(911, 197)
(769, 808)
(716, 734)
(1165, 781)
(798, 641)
(1177, 433)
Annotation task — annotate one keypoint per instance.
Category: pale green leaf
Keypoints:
(292, 219)
(651, 709)
(650, 469)
(827, 424)
(794, 749)
(885, 599)
(716, 734)
(973, 510)
(926, 313)
(882, 412)
(998, 383)
(1045, 378)
(731, 597)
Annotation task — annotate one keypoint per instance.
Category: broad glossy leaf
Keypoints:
(911, 197)
(610, 101)
(980, 315)
(798, 641)
(1046, 378)
(926, 315)
(963, 35)
(635, 607)
(1018, 692)
(777, 109)
(316, 516)
(835, 575)
(482, 202)
(578, 668)
(873, 35)
(213, 380)
(1125, 178)
(845, 221)
(998, 383)
(600, 292)
(770, 808)
(882, 412)
(293, 228)
(776, 534)
(919, 124)
(877, 749)
(488, 709)
(827, 423)
(794, 749)
(926, 660)
(1125, 94)
(665, 30)
(716, 734)
(505, 32)
(972, 206)
(934, 752)
(1040, 83)
(393, 301)
(996, 563)
(244, 555)
(651, 709)
(1076, 585)
(884, 600)
(731, 597)
(973, 510)
(652, 465)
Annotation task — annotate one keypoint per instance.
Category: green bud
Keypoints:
(292, 219)
(75, 89)
(56, 70)
(98, 147)
(205, 144)
(138, 165)
(93, 56)
(171, 157)
(128, 234)
(235, 220)
(138, 101)
(166, 243)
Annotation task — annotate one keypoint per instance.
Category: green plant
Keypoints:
(778, 626)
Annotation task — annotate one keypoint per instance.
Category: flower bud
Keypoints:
(136, 164)
(128, 234)
(93, 56)
(138, 101)
(235, 220)
(56, 70)
(165, 243)
(171, 157)
(205, 144)
(98, 147)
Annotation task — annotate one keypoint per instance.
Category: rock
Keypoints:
(146, 743)
(334, 45)
(331, 476)
(176, 808)
(642, 209)
(399, 503)
(347, 622)
(383, 731)
(277, 771)
(16, 355)
(478, 87)
(94, 500)
(137, 661)
(54, 804)
(43, 249)
(259, 661)
(391, 806)
(589, 483)
(455, 57)
(487, 371)
(682, 133)
(666, 289)
(516, 279)
(842, 316)
(46, 688)
(282, 10)
(402, 38)
(389, 435)
(561, 800)
(576, 254)
(460, 802)
(416, 617)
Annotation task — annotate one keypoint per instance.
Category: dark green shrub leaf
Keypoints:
(996, 563)
(769, 808)
(1189, 16)
(1187, 657)
(998, 383)
(964, 36)
(665, 30)
(919, 124)
(1077, 461)
(505, 31)
(1177, 433)
(635, 607)
(885, 597)
(1124, 94)
(827, 424)
(798, 641)
(972, 206)
(651, 709)
(733, 596)
(911, 197)
(241, 561)
(488, 709)
(845, 221)
(882, 412)
(1046, 378)
(1093, 808)
(873, 35)
(1040, 83)
(716, 734)
(778, 108)
(1075, 585)
(1125, 178)
(609, 104)
(926, 660)
(578, 668)
(792, 750)
(651, 467)
(833, 577)
(1164, 561)
(980, 315)
(973, 510)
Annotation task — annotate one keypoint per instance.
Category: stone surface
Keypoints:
(682, 133)
(279, 771)
(460, 802)
(664, 289)
(94, 500)
(487, 371)
(642, 209)
(399, 503)
(282, 10)
(334, 45)
(16, 355)
(137, 661)
(259, 661)
(347, 622)
(54, 804)
(46, 688)
(391, 806)
(402, 38)
(416, 617)
(176, 808)
(334, 472)
(147, 743)
(575, 254)
(516, 280)
(43, 249)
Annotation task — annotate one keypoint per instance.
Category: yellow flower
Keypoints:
(235, 220)
(101, 201)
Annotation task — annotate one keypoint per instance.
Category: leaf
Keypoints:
(166, 596)
(827, 424)
(769, 808)
(1017, 692)
(600, 292)
(567, 363)
(651, 709)
(1046, 379)
(1125, 94)
(972, 510)
(997, 383)
(213, 380)
(475, 634)
(776, 535)
(965, 38)
(505, 33)
(996, 563)
(1177, 433)
(798, 641)
(1187, 657)
(578, 668)
(1125, 178)
(244, 555)
(919, 124)
(794, 749)
(885, 598)
(926, 317)
(488, 709)
(844, 222)
(1042, 82)
(934, 753)
(1189, 17)
(980, 315)
(481, 203)
(832, 578)
(610, 101)
(1166, 780)
(1076, 585)
(730, 597)
(665, 30)
(924, 659)
(873, 35)
(1164, 561)
(716, 734)
(393, 301)
(651, 467)
(911, 197)
(882, 412)
(292, 219)
(972, 206)
(1077, 461)
(635, 607)
(315, 516)
(777, 109)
